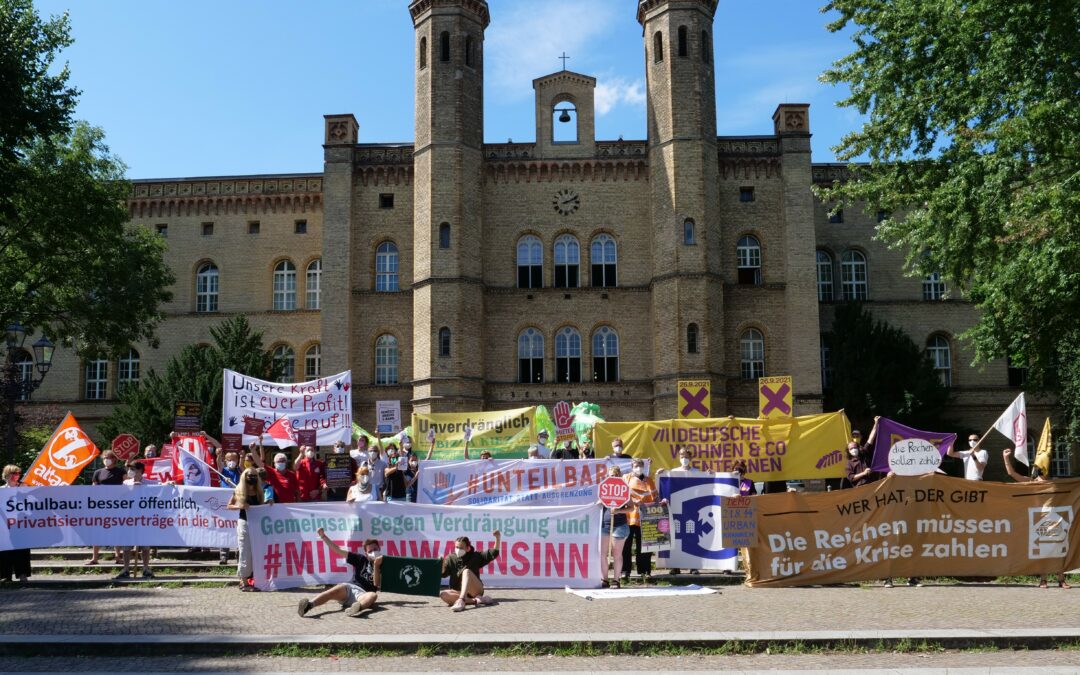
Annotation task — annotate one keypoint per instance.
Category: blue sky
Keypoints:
(212, 87)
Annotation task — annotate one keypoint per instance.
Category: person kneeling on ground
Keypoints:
(463, 568)
(362, 592)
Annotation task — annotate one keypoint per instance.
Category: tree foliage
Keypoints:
(70, 265)
(877, 369)
(195, 374)
(972, 127)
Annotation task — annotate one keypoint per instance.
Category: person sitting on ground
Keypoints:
(463, 568)
(360, 593)
(1036, 477)
(249, 491)
(110, 474)
(362, 490)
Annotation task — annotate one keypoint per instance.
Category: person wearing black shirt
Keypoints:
(358, 594)
(463, 568)
(110, 474)
(565, 451)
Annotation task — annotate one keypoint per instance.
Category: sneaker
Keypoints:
(888, 583)
(356, 609)
(483, 600)
(914, 582)
(147, 574)
(123, 575)
(304, 608)
(459, 606)
(223, 560)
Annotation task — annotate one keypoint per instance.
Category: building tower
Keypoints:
(448, 292)
(683, 165)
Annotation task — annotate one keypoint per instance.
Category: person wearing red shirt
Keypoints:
(280, 476)
(311, 473)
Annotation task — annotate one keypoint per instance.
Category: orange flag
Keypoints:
(63, 457)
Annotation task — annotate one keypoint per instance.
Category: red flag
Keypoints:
(282, 433)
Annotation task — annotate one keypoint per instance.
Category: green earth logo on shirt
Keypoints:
(411, 576)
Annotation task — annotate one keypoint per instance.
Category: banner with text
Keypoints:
(505, 434)
(694, 504)
(323, 405)
(525, 482)
(903, 449)
(116, 515)
(543, 547)
(790, 448)
(915, 526)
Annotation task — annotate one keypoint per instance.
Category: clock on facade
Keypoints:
(566, 201)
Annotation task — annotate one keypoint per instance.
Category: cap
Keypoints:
(543, 432)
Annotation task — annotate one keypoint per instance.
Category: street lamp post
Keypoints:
(15, 385)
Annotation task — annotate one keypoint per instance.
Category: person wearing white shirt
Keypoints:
(684, 468)
(362, 490)
(975, 459)
(542, 450)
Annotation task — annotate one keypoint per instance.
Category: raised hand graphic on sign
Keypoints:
(563, 418)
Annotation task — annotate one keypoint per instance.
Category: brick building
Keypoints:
(454, 274)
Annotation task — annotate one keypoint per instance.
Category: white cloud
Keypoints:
(612, 91)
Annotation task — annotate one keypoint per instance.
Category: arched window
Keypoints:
(933, 287)
(941, 355)
(530, 262)
(752, 354)
(605, 355)
(824, 277)
(285, 285)
(444, 341)
(657, 47)
(386, 267)
(564, 122)
(748, 256)
(97, 378)
(206, 288)
(604, 261)
(423, 52)
(853, 276)
(567, 261)
(706, 47)
(386, 360)
(24, 363)
(314, 283)
(444, 235)
(313, 362)
(444, 46)
(692, 339)
(127, 370)
(684, 48)
(285, 363)
(530, 356)
(568, 355)
(688, 238)
(468, 50)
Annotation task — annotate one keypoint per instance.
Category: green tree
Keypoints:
(70, 264)
(877, 369)
(971, 131)
(195, 374)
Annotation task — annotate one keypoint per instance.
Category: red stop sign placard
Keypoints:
(614, 492)
(125, 446)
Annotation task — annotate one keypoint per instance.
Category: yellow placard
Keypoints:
(775, 397)
(786, 448)
(694, 400)
(506, 434)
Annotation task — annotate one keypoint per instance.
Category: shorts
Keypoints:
(353, 593)
(621, 531)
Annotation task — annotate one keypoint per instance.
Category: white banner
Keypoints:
(514, 482)
(116, 515)
(324, 405)
(694, 509)
(542, 547)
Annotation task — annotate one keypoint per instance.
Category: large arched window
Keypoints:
(386, 360)
(941, 354)
(530, 262)
(824, 277)
(285, 363)
(313, 362)
(444, 341)
(604, 259)
(386, 267)
(748, 258)
(530, 356)
(127, 370)
(423, 52)
(752, 354)
(206, 288)
(853, 276)
(692, 339)
(657, 47)
(689, 237)
(605, 355)
(567, 261)
(314, 283)
(568, 355)
(96, 376)
(284, 286)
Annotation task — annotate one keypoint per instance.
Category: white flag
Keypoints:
(196, 472)
(1013, 425)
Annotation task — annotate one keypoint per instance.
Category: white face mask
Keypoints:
(373, 554)
(131, 475)
(309, 454)
(407, 445)
(109, 462)
(232, 465)
(638, 471)
(339, 450)
(684, 461)
(737, 475)
(617, 449)
(461, 551)
(280, 466)
(364, 480)
(542, 442)
(971, 443)
(854, 452)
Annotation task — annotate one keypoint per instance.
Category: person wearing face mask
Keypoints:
(310, 474)
(359, 594)
(412, 476)
(975, 458)
(109, 474)
(463, 568)
(395, 482)
(684, 468)
(135, 477)
(339, 494)
(248, 492)
(377, 462)
(746, 486)
(858, 471)
(642, 491)
(542, 450)
(617, 448)
(286, 486)
(361, 491)
(587, 451)
(230, 468)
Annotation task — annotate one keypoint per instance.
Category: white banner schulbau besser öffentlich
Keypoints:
(116, 515)
(324, 405)
(542, 546)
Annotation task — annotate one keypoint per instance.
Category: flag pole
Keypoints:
(209, 466)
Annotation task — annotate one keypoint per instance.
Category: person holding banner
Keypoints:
(359, 594)
(395, 482)
(642, 491)
(248, 492)
(362, 491)
(1037, 476)
(110, 474)
(14, 563)
(340, 494)
(135, 477)
(463, 567)
(613, 534)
